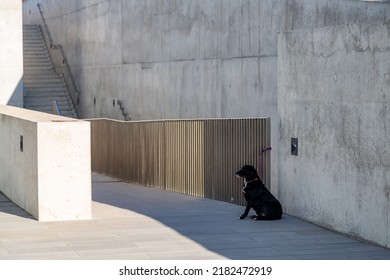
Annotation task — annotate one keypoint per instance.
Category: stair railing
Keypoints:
(59, 59)
(56, 108)
(123, 110)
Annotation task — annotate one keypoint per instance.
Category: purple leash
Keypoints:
(261, 161)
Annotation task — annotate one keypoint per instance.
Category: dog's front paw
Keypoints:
(242, 217)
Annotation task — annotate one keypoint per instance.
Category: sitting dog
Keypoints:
(266, 206)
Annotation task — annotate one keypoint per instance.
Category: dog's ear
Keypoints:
(249, 168)
(252, 170)
(243, 168)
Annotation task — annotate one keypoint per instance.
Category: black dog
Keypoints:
(266, 206)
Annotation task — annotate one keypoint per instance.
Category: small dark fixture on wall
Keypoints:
(113, 102)
(294, 146)
(21, 143)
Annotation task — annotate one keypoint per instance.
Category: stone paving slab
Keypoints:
(136, 222)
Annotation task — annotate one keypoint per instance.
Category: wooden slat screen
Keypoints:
(195, 157)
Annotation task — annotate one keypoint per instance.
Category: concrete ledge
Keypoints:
(45, 164)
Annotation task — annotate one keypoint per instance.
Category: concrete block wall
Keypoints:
(49, 175)
(334, 97)
(11, 53)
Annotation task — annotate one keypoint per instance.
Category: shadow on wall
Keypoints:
(16, 98)
(8, 207)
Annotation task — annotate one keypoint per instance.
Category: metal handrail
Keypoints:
(45, 25)
(123, 110)
(56, 108)
(75, 99)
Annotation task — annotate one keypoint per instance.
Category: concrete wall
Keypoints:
(185, 59)
(51, 176)
(334, 97)
(11, 53)
(158, 55)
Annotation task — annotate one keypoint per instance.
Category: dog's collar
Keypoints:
(246, 182)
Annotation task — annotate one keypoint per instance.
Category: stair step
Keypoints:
(28, 56)
(37, 82)
(47, 84)
(35, 75)
(40, 73)
(33, 78)
(45, 89)
(33, 44)
(36, 100)
(32, 82)
(33, 47)
(49, 106)
(38, 64)
(42, 84)
(36, 57)
(33, 36)
(31, 54)
(38, 70)
(48, 110)
(63, 101)
(27, 66)
(46, 94)
(48, 102)
(32, 32)
(28, 52)
(37, 61)
(36, 38)
(34, 64)
(30, 26)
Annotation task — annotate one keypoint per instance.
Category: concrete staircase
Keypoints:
(42, 84)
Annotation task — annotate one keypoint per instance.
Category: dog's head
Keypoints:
(247, 172)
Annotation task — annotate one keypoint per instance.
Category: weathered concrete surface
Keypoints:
(11, 53)
(49, 175)
(334, 96)
(151, 53)
(186, 59)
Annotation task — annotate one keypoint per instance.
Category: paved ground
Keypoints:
(135, 222)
